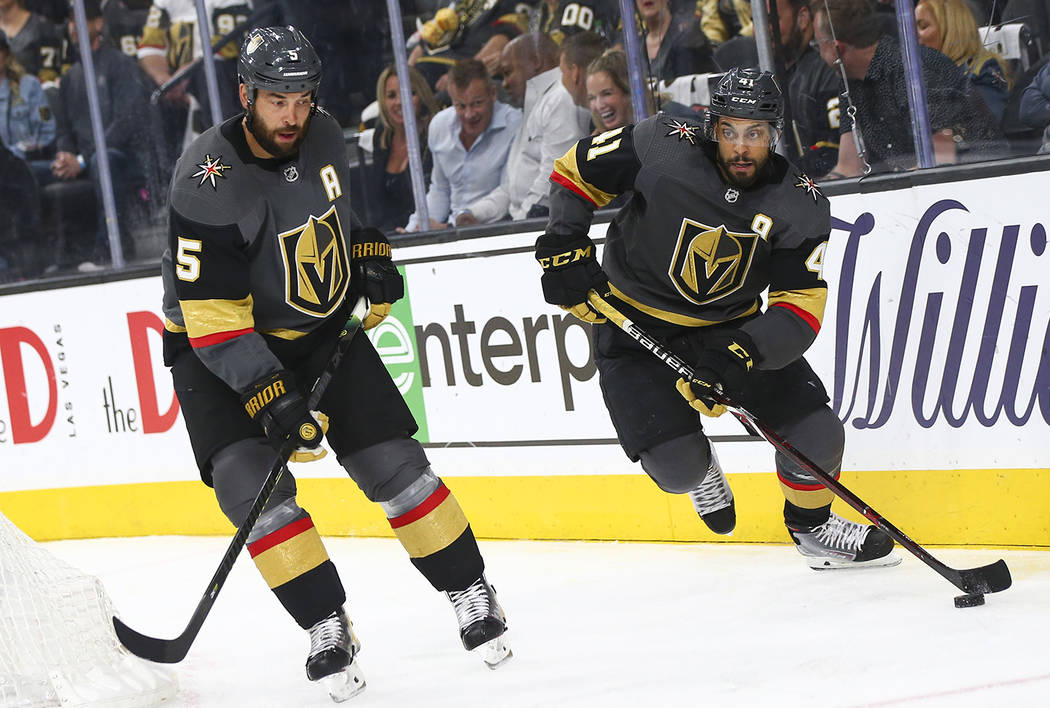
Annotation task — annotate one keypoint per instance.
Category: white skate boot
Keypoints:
(333, 657)
(838, 543)
(482, 623)
(713, 499)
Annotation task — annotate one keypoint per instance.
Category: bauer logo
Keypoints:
(395, 341)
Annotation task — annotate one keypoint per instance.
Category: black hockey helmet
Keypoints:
(278, 59)
(748, 93)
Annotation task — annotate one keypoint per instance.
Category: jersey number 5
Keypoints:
(187, 265)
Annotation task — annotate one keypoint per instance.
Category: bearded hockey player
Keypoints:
(265, 258)
(715, 219)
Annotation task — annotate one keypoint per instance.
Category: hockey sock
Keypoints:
(295, 564)
(798, 517)
(439, 541)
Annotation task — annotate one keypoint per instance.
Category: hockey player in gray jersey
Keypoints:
(265, 256)
(715, 219)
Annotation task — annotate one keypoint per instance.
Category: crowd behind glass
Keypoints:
(500, 89)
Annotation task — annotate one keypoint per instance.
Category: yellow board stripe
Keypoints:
(291, 558)
(574, 507)
(435, 531)
(812, 300)
(673, 317)
(207, 317)
(566, 169)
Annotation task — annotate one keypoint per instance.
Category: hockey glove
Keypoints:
(725, 361)
(570, 270)
(373, 274)
(277, 404)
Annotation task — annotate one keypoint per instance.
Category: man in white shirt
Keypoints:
(552, 124)
(470, 142)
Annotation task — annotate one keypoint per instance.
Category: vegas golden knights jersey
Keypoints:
(689, 248)
(256, 246)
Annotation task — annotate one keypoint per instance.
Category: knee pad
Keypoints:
(387, 469)
(678, 465)
(820, 437)
(238, 471)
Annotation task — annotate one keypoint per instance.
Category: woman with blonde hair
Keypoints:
(949, 27)
(389, 180)
(609, 94)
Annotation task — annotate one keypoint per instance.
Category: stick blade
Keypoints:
(986, 579)
(162, 651)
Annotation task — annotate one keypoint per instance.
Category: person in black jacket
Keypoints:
(123, 103)
(389, 188)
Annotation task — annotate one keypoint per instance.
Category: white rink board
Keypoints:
(541, 420)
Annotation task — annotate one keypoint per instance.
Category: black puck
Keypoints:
(968, 600)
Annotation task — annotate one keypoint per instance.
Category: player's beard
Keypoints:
(738, 180)
(267, 138)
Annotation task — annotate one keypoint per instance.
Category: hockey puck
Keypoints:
(969, 600)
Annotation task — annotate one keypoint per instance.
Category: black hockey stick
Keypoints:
(986, 579)
(171, 651)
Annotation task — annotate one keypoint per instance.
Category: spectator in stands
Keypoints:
(609, 91)
(948, 26)
(123, 101)
(813, 88)
(466, 30)
(27, 127)
(721, 20)
(673, 49)
(125, 20)
(1035, 104)
(20, 247)
(562, 19)
(171, 41)
(389, 188)
(577, 52)
(35, 42)
(551, 123)
(469, 142)
(873, 67)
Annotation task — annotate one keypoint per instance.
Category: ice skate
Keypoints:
(482, 624)
(713, 499)
(838, 543)
(333, 657)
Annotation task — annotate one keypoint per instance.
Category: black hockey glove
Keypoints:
(281, 409)
(373, 274)
(725, 361)
(570, 269)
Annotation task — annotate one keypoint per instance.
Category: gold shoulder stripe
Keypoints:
(567, 174)
(285, 333)
(672, 317)
(172, 327)
(207, 317)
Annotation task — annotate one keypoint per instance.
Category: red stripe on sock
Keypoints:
(280, 536)
(428, 505)
(802, 487)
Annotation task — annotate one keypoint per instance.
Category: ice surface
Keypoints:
(606, 624)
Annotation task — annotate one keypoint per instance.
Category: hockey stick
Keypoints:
(986, 579)
(171, 651)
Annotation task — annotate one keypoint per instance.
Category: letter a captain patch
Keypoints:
(315, 264)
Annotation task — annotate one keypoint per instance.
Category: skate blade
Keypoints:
(345, 684)
(887, 561)
(495, 652)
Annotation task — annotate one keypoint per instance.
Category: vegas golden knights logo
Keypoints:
(710, 262)
(315, 264)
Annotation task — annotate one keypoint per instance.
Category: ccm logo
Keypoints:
(563, 259)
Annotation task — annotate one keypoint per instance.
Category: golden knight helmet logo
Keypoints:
(315, 264)
(710, 262)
